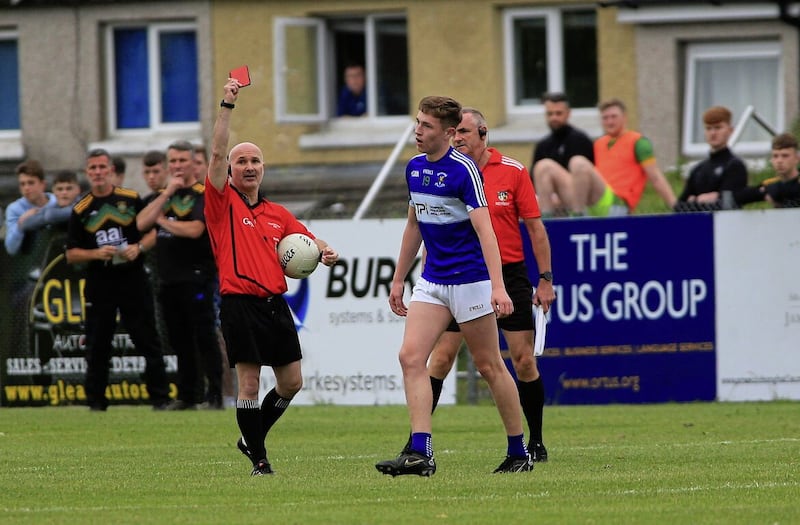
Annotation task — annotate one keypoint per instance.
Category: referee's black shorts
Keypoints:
(259, 330)
(519, 288)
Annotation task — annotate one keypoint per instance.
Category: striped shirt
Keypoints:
(443, 193)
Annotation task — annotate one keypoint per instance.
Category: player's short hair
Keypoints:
(784, 141)
(65, 176)
(154, 157)
(119, 164)
(480, 120)
(98, 152)
(201, 149)
(446, 109)
(182, 145)
(612, 102)
(717, 115)
(30, 167)
(352, 64)
(555, 96)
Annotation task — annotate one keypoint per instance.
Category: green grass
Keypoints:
(688, 463)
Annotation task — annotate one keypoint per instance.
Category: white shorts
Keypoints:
(465, 301)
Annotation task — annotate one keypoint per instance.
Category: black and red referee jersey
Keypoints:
(244, 239)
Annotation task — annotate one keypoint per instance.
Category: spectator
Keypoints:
(564, 175)
(24, 246)
(200, 163)
(448, 211)
(118, 178)
(626, 162)
(186, 274)
(154, 171)
(67, 191)
(228, 375)
(245, 228)
(353, 96)
(511, 199)
(32, 188)
(721, 172)
(103, 233)
(783, 190)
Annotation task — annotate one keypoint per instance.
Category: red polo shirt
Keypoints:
(510, 194)
(244, 239)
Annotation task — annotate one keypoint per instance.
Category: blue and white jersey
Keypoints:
(442, 194)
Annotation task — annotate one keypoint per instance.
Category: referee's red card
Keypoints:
(242, 74)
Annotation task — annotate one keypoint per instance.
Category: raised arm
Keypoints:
(218, 162)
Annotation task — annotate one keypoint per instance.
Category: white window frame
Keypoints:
(154, 74)
(324, 72)
(555, 57)
(722, 51)
(281, 68)
(14, 134)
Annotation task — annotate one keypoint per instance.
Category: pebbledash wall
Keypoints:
(650, 309)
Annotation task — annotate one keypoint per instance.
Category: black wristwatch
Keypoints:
(547, 276)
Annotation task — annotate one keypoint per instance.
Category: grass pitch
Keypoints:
(688, 463)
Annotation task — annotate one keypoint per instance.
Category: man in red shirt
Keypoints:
(245, 228)
(511, 197)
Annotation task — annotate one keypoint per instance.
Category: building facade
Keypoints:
(131, 76)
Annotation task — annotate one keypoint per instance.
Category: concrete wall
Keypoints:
(617, 64)
(455, 49)
(63, 84)
(660, 59)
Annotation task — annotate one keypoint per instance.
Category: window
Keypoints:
(311, 54)
(735, 75)
(153, 78)
(550, 50)
(9, 87)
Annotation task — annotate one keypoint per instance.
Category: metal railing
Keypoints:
(749, 112)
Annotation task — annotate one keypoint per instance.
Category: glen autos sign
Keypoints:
(634, 315)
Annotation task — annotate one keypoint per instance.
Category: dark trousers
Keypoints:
(188, 310)
(131, 296)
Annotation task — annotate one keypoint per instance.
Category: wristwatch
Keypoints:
(547, 276)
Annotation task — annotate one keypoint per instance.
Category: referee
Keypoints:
(245, 228)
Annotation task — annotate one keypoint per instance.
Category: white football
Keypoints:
(298, 255)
